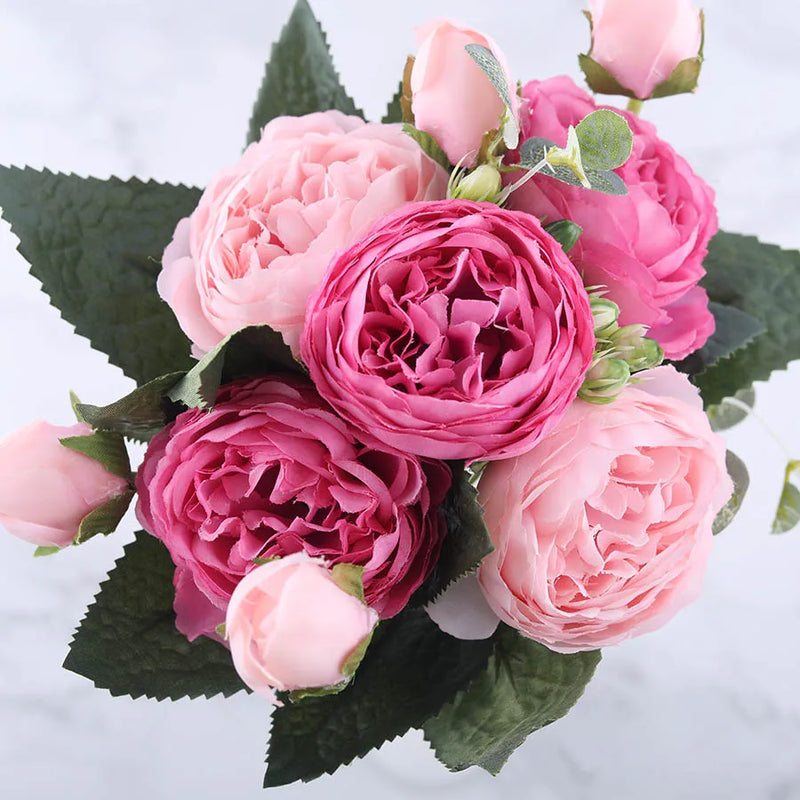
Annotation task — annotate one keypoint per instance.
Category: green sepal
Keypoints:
(300, 77)
(741, 482)
(254, 350)
(44, 550)
(599, 79)
(524, 687)
(96, 246)
(788, 513)
(352, 662)
(259, 561)
(106, 448)
(104, 520)
(349, 578)
(296, 695)
(140, 414)
(732, 410)
(428, 144)
(222, 630)
(565, 232)
(128, 643)
(75, 402)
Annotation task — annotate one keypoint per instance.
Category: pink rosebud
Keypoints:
(453, 330)
(261, 237)
(451, 97)
(640, 42)
(290, 626)
(46, 489)
(602, 531)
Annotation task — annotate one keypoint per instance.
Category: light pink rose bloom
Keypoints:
(451, 97)
(271, 471)
(602, 531)
(46, 489)
(646, 247)
(291, 627)
(640, 42)
(265, 229)
(453, 330)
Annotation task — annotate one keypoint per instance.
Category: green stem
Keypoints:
(635, 105)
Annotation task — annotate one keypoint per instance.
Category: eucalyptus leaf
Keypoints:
(732, 410)
(606, 140)
(490, 67)
(741, 482)
(788, 514)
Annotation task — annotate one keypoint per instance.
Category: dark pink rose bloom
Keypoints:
(453, 329)
(646, 247)
(270, 471)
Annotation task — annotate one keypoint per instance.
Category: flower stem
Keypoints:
(635, 105)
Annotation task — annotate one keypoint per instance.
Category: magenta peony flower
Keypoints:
(603, 529)
(290, 626)
(646, 247)
(270, 471)
(453, 330)
(265, 229)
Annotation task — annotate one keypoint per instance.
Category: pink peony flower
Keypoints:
(291, 627)
(46, 489)
(646, 247)
(270, 471)
(264, 231)
(451, 98)
(603, 529)
(640, 42)
(453, 330)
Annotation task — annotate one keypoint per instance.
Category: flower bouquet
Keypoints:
(423, 399)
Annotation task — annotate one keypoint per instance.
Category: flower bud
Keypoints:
(483, 184)
(605, 313)
(605, 380)
(632, 346)
(293, 624)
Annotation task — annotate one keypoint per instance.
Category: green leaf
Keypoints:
(255, 350)
(741, 482)
(467, 541)
(524, 687)
(96, 246)
(104, 447)
(428, 144)
(104, 520)
(606, 140)
(763, 281)
(788, 513)
(394, 111)
(565, 232)
(127, 642)
(734, 329)
(490, 67)
(410, 670)
(300, 77)
(732, 410)
(140, 414)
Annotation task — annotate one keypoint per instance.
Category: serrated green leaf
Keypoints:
(300, 77)
(741, 482)
(763, 281)
(140, 414)
(255, 350)
(490, 67)
(104, 447)
(525, 686)
(565, 232)
(394, 110)
(410, 670)
(128, 644)
(788, 513)
(104, 520)
(96, 246)
(606, 140)
(732, 410)
(428, 144)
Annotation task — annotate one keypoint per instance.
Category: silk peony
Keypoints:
(603, 529)
(646, 247)
(265, 229)
(46, 489)
(271, 471)
(453, 330)
(290, 626)
(451, 97)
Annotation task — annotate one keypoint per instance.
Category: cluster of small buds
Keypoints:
(620, 352)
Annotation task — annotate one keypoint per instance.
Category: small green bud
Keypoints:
(638, 351)
(605, 313)
(482, 184)
(605, 380)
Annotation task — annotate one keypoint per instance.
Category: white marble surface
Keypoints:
(707, 708)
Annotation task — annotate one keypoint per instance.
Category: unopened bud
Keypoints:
(605, 380)
(605, 313)
(639, 352)
(483, 184)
